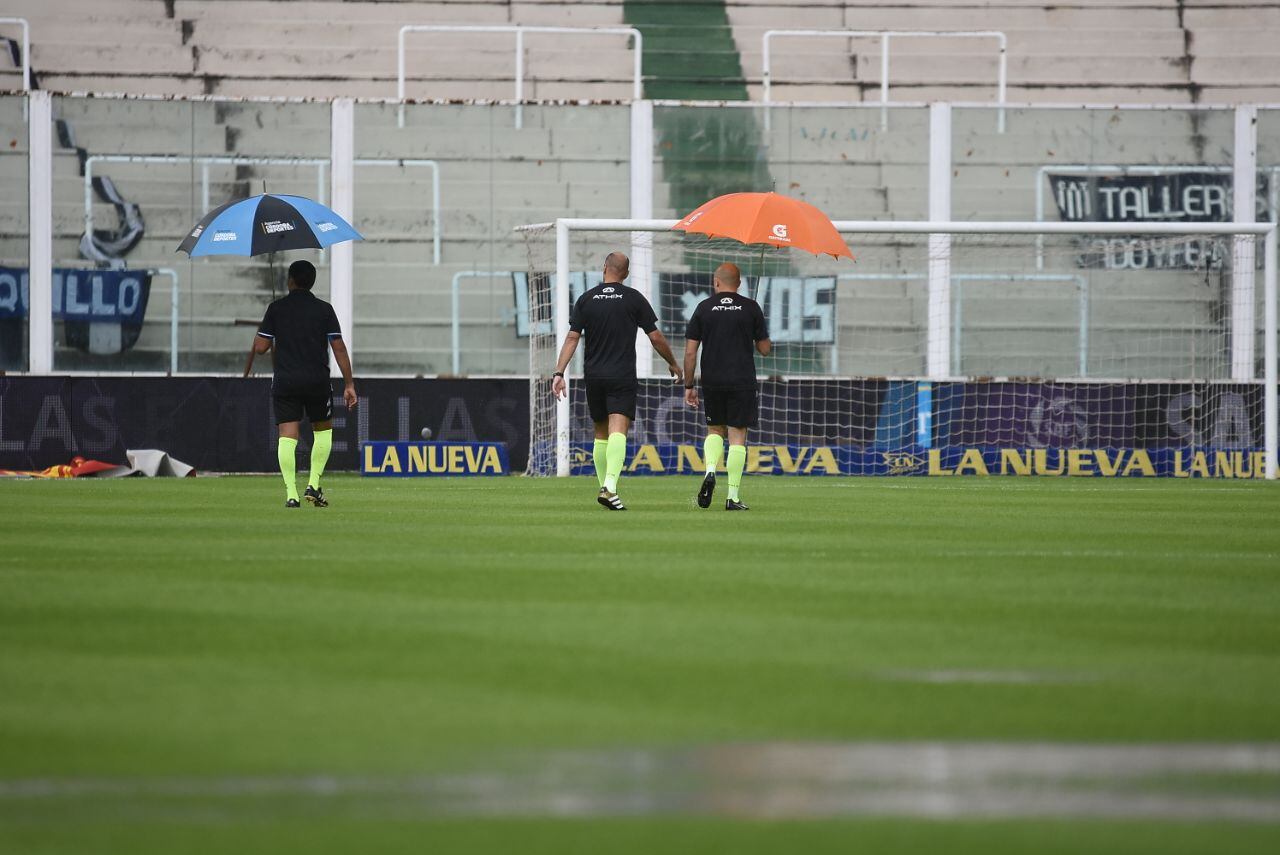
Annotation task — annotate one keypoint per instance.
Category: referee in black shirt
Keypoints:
(302, 328)
(609, 315)
(730, 329)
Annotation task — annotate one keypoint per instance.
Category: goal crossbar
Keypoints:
(1267, 231)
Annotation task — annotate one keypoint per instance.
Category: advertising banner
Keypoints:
(433, 459)
(89, 296)
(225, 424)
(672, 459)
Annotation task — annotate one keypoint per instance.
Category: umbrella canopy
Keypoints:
(267, 223)
(767, 218)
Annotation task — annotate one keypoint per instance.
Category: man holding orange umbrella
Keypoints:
(731, 329)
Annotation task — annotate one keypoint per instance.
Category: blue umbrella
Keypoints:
(267, 223)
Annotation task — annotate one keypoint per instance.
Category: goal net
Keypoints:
(1014, 348)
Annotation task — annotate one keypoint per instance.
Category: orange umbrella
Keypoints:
(767, 218)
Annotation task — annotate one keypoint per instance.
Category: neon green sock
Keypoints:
(616, 455)
(598, 454)
(321, 445)
(737, 462)
(712, 448)
(287, 453)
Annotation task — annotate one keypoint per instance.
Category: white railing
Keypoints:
(26, 55)
(884, 36)
(320, 163)
(637, 46)
(455, 296)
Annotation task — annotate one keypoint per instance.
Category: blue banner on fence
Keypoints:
(93, 296)
(674, 459)
(428, 459)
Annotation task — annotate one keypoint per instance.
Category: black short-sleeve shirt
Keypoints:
(728, 325)
(608, 315)
(300, 325)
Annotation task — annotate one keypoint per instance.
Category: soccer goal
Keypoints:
(946, 348)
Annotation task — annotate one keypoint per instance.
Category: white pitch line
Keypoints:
(762, 780)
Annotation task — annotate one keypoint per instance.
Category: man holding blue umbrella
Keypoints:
(300, 327)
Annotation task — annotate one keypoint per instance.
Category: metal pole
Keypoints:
(560, 322)
(637, 71)
(400, 74)
(959, 227)
(642, 208)
(1272, 435)
(884, 82)
(1244, 195)
(435, 210)
(519, 78)
(1002, 81)
(174, 299)
(455, 301)
(939, 261)
(40, 240)
(342, 256)
(766, 80)
(1082, 284)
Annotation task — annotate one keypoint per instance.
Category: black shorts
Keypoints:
(611, 396)
(737, 408)
(289, 408)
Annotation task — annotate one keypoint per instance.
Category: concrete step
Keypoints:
(101, 57)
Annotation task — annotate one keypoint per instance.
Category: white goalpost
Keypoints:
(949, 347)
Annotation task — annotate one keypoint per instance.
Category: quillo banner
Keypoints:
(90, 296)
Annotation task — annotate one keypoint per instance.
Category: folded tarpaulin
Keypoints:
(148, 462)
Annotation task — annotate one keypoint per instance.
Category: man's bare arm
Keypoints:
(567, 351)
(764, 346)
(343, 359)
(690, 360)
(659, 342)
(690, 367)
(558, 386)
(261, 344)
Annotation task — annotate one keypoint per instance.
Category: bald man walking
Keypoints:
(609, 315)
(730, 329)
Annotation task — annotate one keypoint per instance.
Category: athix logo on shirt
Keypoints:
(608, 293)
(271, 227)
(219, 237)
(726, 305)
(780, 231)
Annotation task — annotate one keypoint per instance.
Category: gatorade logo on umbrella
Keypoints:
(767, 218)
(271, 227)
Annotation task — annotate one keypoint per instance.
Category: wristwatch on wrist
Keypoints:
(558, 374)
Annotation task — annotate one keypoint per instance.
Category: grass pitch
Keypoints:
(187, 666)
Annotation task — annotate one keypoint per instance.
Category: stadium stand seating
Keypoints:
(1174, 51)
(494, 177)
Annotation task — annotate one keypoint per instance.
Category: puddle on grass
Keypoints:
(1236, 782)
